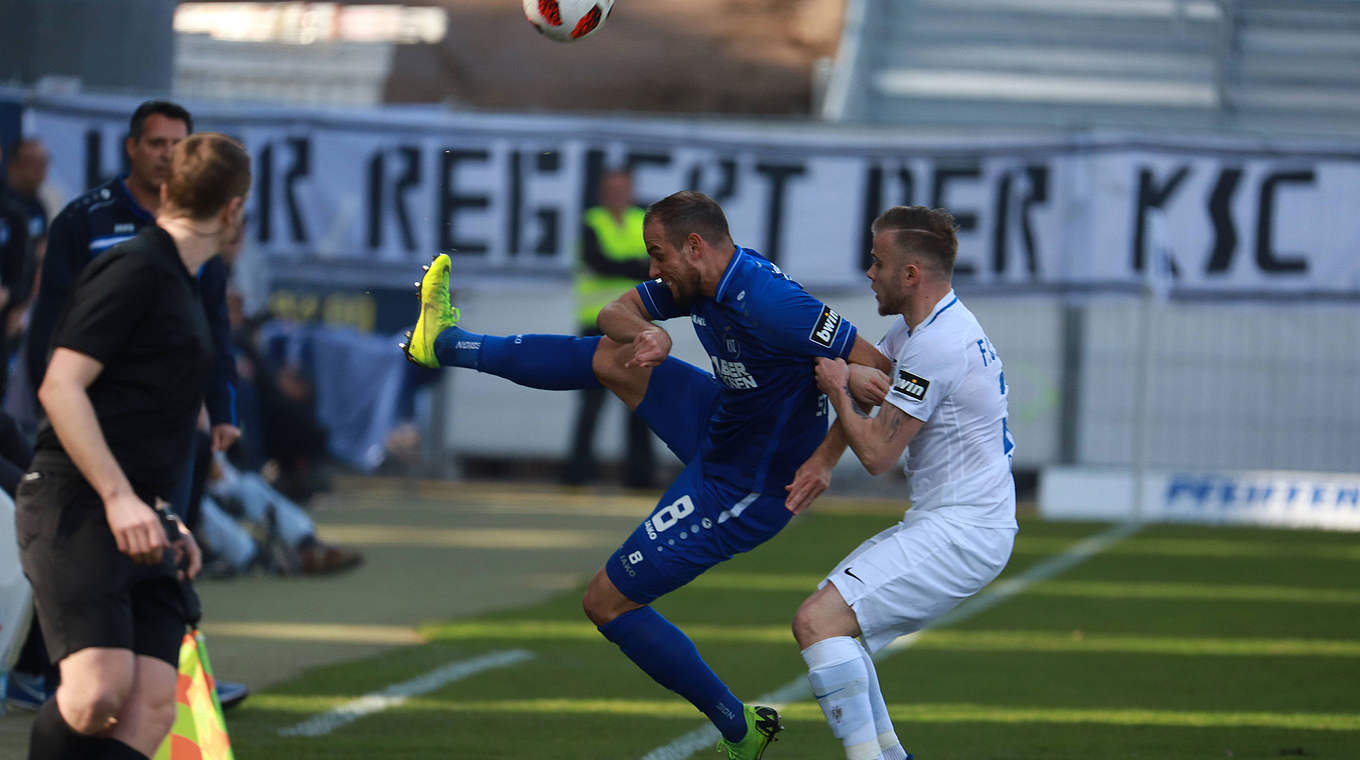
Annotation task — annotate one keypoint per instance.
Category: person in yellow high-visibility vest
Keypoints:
(613, 259)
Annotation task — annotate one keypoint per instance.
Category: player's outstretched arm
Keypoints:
(626, 320)
(814, 476)
(865, 353)
(877, 441)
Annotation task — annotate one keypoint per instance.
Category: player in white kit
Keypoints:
(946, 404)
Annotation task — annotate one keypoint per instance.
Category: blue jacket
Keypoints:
(90, 225)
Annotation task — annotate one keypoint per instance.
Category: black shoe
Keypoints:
(231, 694)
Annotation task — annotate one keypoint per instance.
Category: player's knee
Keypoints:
(804, 625)
(89, 710)
(603, 602)
(608, 363)
(813, 622)
(595, 602)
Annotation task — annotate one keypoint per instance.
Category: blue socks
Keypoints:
(666, 654)
(549, 362)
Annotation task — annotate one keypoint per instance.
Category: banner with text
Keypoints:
(363, 195)
(1277, 498)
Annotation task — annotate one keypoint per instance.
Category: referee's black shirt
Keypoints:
(137, 310)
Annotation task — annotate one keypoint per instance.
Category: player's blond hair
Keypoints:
(926, 233)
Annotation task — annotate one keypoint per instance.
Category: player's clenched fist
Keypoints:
(650, 348)
(832, 375)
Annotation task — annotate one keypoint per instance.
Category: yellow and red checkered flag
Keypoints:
(199, 733)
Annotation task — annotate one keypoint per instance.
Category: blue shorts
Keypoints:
(699, 521)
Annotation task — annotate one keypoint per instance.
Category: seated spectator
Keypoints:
(276, 404)
(286, 542)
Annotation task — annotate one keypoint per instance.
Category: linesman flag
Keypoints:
(199, 733)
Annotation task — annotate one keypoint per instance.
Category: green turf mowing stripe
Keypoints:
(1197, 591)
(807, 711)
(1197, 548)
(751, 582)
(1048, 641)
(399, 693)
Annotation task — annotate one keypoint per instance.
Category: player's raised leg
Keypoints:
(549, 362)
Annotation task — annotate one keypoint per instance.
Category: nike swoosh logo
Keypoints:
(852, 575)
(829, 693)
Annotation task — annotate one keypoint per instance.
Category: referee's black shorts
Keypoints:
(87, 593)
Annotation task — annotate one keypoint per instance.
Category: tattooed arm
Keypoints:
(877, 441)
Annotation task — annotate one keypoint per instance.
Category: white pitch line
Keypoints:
(397, 693)
(685, 746)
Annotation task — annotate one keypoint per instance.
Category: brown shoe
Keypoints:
(323, 559)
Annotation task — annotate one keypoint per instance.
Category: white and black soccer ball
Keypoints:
(567, 20)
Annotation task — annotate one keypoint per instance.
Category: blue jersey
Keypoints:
(92, 224)
(762, 332)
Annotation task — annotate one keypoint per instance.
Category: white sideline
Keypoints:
(397, 693)
(685, 746)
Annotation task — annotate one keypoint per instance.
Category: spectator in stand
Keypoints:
(16, 260)
(613, 261)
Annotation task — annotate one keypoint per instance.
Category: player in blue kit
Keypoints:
(743, 431)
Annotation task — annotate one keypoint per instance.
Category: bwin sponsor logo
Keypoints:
(825, 329)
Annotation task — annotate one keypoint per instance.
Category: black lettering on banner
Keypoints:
(966, 220)
(408, 180)
(1150, 196)
(516, 183)
(377, 180)
(779, 175)
(264, 194)
(726, 186)
(451, 202)
(548, 217)
(874, 205)
(824, 331)
(1266, 257)
(1220, 214)
(1038, 194)
(264, 189)
(302, 164)
(909, 385)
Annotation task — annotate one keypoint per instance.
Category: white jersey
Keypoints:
(946, 373)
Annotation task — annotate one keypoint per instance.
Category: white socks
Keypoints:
(887, 738)
(845, 684)
(840, 683)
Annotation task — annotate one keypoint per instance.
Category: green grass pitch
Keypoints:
(1175, 642)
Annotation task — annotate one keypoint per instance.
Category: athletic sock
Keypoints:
(888, 742)
(666, 654)
(549, 362)
(51, 738)
(841, 686)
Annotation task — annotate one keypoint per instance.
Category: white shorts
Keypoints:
(917, 570)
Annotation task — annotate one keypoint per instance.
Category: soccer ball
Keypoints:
(567, 20)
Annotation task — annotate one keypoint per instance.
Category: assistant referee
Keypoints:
(131, 355)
